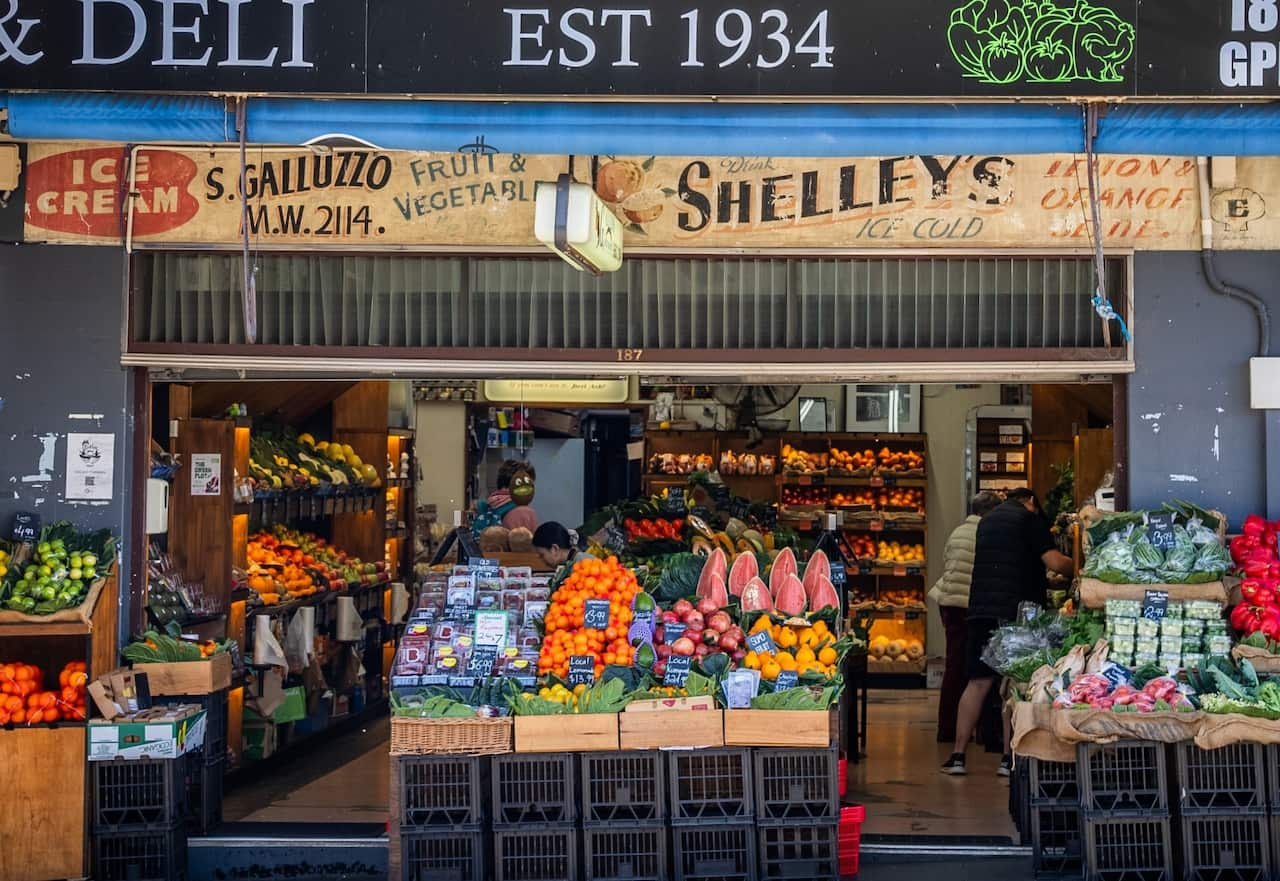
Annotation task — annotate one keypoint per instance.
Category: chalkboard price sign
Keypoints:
(615, 540)
(786, 679)
(26, 526)
(677, 671)
(480, 664)
(1160, 531)
(596, 615)
(672, 632)
(674, 503)
(582, 670)
(1155, 604)
(739, 508)
(839, 575)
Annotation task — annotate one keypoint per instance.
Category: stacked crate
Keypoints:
(1051, 793)
(1124, 797)
(713, 824)
(1222, 806)
(206, 767)
(139, 827)
(442, 817)
(624, 816)
(535, 816)
(797, 803)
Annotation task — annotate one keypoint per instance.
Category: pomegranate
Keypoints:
(720, 622)
(670, 618)
(683, 646)
(682, 608)
(729, 642)
(707, 606)
(702, 651)
(664, 651)
(711, 638)
(695, 620)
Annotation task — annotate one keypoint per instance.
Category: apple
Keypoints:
(720, 622)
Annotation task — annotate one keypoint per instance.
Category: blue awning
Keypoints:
(667, 129)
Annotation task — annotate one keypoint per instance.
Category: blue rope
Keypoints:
(1107, 312)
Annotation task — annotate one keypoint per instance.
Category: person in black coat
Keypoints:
(1014, 549)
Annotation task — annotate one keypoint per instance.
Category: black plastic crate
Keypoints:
(1052, 783)
(158, 854)
(1231, 778)
(797, 784)
(1130, 776)
(1020, 797)
(215, 707)
(714, 852)
(1057, 841)
(1127, 848)
(441, 790)
(530, 788)
(799, 849)
(709, 784)
(622, 852)
(204, 795)
(455, 855)
(535, 853)
(623, 787)
(1226, 847)
(140, 792)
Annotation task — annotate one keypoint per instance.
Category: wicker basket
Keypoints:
(420, 737)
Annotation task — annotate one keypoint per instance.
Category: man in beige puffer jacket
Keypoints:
(951, 593)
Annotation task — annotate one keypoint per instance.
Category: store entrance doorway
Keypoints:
(931, 446)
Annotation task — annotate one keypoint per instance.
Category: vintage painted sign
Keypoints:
(371, 199)
(1000, 48)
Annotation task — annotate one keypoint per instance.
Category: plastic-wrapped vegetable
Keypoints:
(1146, 555)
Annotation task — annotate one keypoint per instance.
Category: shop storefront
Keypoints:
(315, 252)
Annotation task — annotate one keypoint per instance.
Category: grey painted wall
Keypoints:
(1191, 432)
(60, 362)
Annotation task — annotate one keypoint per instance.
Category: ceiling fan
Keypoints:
(751, 403)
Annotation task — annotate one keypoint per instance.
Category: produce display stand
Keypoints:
(46, 765)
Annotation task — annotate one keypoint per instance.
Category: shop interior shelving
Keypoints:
(209, 535)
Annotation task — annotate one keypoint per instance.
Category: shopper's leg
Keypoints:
(975, 695)
(954, 677)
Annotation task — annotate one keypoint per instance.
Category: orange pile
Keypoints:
(564, 634)
(275, 570)
(24, 702)
(800, 649)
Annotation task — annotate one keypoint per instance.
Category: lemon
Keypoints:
(306, 440)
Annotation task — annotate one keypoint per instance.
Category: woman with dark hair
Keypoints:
(557, 546)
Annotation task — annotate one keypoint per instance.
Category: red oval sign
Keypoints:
(80, 192)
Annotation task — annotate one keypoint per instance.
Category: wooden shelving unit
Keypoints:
(208, 535)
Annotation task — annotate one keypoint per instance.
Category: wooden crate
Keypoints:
(658, 728)
(188, 677)
(803, 728)
(590, 732)
(43, 808)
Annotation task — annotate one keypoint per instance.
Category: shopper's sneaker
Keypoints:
(1006, 766)
(955, 765)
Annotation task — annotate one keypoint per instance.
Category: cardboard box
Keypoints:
(164, 733)
(188, 677)
(799, 728)
(590, 732)
(676, 728)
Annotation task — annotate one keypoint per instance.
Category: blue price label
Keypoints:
(787, 679)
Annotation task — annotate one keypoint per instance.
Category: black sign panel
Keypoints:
(1155, 604)
(596, 614)
(677, 673)
(875, 48)
(480, 664)
(582, 670)
(1160, 531)
(786, 679)
(26, 526)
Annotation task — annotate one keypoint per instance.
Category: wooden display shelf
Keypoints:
(43, 810)
(885, 480)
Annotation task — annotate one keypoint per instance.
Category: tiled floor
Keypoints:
(899, 783)
(345, 779)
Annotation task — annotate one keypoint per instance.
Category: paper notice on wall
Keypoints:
(206, 474)
(91, 462)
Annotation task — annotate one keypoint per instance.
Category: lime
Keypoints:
(46, 571)
(43, 548)
(76, 561)
(89, 561)
(76, 573)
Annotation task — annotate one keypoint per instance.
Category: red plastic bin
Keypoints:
(844, 777)
(851, 820)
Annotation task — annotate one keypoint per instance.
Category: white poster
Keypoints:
(91, 462)
(206, 474)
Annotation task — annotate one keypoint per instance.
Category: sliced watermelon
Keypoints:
(790, 599)
(817, 567)
(755, 597)
(716, 565)
(744, 569)
(784, 565)
(824, 596)
(719, 594)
